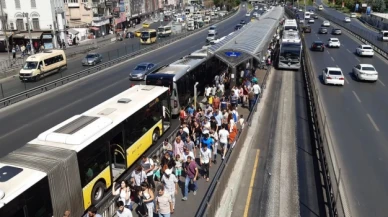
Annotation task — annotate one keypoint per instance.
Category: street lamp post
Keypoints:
(29, 31)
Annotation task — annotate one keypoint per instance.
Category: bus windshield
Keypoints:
(30, 65)
(161, 29)
(145, 34)
(160, 82)
(290, 51)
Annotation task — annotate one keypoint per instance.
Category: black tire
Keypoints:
(37, 78)
(98, 192)
(155, 135)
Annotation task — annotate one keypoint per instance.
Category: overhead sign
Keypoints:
(357, 6)
(368, 10)
(232, 54)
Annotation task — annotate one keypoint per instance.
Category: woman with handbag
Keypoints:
(146, 201)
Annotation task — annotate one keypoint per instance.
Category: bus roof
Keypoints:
(79, 131)
(40, 56)
(148, 30)
(291, 36)
(14, 180)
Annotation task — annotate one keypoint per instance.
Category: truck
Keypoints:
(190, 25)
(189, 9)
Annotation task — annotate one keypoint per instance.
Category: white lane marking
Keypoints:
(346, 79)
(373, 123)
(328, 52)
(332, 59)
(358, 98)
(348, 50)
(358, 59)
(381, 82)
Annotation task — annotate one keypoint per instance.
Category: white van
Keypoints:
(41, 64)
(213, 30)
(383, 35)
(164, 31)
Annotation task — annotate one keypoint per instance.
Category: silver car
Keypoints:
(92, 59)
(141, 70)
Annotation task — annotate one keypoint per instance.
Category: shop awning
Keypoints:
(94, 28)
(18, 36)
(34, 35)
(73, 31)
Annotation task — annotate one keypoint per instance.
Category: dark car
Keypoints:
(243, 22)
(129, 35)
(336, 32)
(318, 46)
(141, 70)
(306, 29)
(92, 59)
(314, 16)
(322, 30)
(238, 26)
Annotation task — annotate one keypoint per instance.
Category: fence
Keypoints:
(364, 35)
(36, 90)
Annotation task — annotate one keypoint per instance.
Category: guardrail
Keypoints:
(67, 79)
(323, 140)
(335, 198)
(367, 37)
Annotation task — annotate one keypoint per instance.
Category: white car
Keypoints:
(347, 20)
(255, 14)
(248, 14)
(365, 72)
(334, 42)
(333, 75)
(365, 50)
(311, 21)
(300, 10)
(326, 23)
(353, 15)
(301, 21)
(261, 9)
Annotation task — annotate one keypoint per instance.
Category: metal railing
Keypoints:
(67, 79)
(330, 171)
(364, 35)
(212, 199)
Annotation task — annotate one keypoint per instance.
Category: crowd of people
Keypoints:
(204, 137)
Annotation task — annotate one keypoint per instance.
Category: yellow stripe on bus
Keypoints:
(87, 190)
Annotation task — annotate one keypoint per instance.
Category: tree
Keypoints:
(378, 5)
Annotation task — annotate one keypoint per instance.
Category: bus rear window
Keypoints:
(160, 82)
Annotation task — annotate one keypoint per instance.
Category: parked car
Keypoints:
(318, 46)
(91, 59)
(336, 31)
(141, 70)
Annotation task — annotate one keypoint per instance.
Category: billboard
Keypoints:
(122, 6)
(368, 10)
(357, 6)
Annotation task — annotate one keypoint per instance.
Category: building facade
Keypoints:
(24, 15)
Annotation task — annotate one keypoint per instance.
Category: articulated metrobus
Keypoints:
(72, 165)
(290, 50)
(181, 76)
(290, 24)
(148, 36)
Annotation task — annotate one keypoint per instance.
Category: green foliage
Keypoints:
(378, 5)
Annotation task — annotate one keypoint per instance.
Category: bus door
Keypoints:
(117, 153)
(166, 108)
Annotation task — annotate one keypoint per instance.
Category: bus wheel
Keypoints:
(98, 192)
(155, 135)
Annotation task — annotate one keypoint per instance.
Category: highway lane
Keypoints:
(357, 116)
(114, 50)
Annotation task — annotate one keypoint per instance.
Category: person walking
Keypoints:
(191, 176)
(92, 212)
(147, 196)
(138, 176)
(164, 204)
(124, 193)
(170, 183)
(122, 210)
(13, 53)
(205, 160)
(148, 167)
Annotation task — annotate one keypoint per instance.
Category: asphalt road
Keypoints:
(357, 115)
(26, 120)
(111, 51)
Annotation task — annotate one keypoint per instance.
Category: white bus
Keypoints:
(290, 24)
(290, 50)
(40, 64)
(72, 165)
(181, 76)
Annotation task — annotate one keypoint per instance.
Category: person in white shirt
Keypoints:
(223, 135)
(138, 176)
(148, 167)
(170, 182)
(207, 92)
(205, 161)
(187, 153)
(256, 90)
(214, 136)
(186, 129)
(123, 211)
(214, 88)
